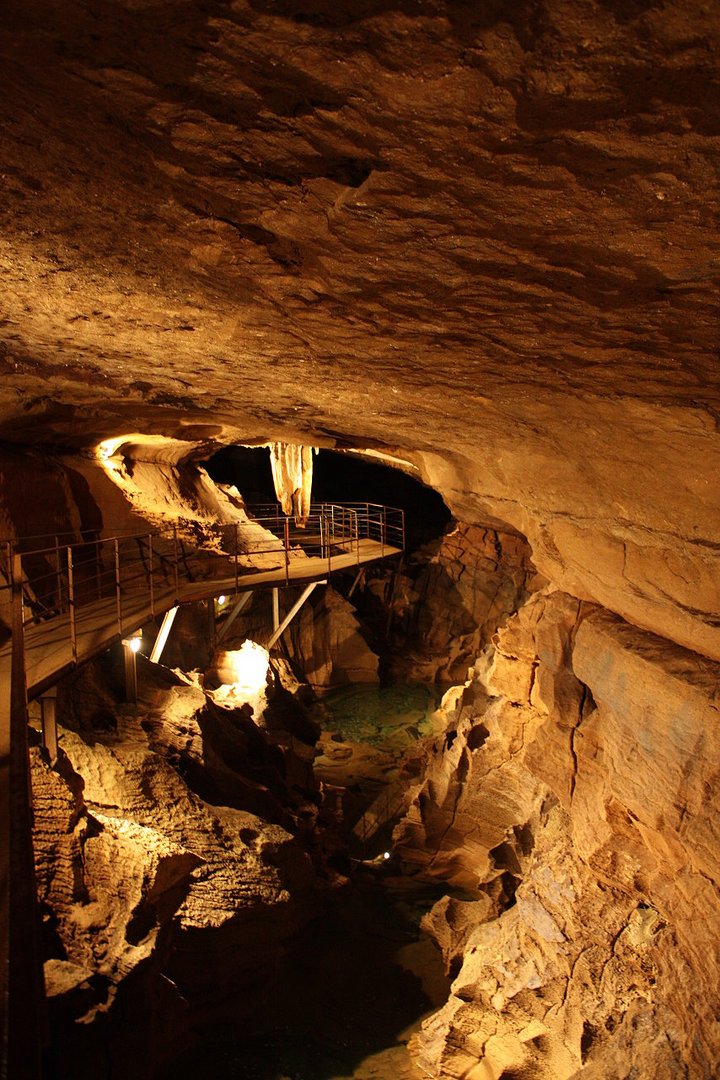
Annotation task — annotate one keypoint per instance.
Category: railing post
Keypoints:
(152, 578)
(118, 595)
(58, 573)
(175, 559)
(287, 551)
(98, 584)
(383, 529)
(71, 603)
(237, 540)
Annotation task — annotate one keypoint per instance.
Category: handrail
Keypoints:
(70, 580)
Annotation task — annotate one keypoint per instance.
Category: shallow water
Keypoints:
(345, 1002)
(371, 714)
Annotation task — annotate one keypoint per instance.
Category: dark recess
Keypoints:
(341, 478)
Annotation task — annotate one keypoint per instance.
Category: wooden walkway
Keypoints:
(49, 651)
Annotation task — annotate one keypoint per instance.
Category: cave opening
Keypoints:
(339, 476)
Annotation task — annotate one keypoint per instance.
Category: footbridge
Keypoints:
(68, 600)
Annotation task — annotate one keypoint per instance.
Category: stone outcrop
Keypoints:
(326, 645)
(166, 886)
(478, 236)
(481, 239)
(450, 598)
(575, 808)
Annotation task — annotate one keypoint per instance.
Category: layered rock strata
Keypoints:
(572, 800)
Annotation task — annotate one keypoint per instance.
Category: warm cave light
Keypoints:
(221, 599)
(386, 854)
(133, 643)
(250, 667)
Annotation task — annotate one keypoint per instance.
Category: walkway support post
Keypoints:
(163, 634)
(212, 630)
(48, 716)
(130, 648)
(22, 991)
(287, 550)
(237, 610)
(293, 612)
(276, 607)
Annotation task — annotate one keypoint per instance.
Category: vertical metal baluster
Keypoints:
(58, 574)
(152, 578)
(118, 598)
(71, 603)
(236, 557)
(357, 536)
(287, 551)
(98, 583)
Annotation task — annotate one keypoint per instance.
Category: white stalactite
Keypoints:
(292, 475)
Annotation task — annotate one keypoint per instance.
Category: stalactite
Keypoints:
(292, 476)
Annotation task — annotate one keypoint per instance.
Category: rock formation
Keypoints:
(574, 808)
(169, 872)
(479, 238)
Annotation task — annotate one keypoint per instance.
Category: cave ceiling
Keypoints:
(482, 234)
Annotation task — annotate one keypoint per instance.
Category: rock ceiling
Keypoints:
(481, 234)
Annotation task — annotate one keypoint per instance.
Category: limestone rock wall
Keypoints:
(326, 643)
(160, 904)
(450, 598)
(575, 808)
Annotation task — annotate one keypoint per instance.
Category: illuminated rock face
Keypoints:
(169, 873)
(577, 807)
(481, 236)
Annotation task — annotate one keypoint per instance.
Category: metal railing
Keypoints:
(77, 579)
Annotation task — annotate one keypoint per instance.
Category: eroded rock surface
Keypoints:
(575, 809)
(480, 236)
(161, 905)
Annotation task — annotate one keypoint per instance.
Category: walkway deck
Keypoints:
(49, 652)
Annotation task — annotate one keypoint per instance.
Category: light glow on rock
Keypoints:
(250, 666)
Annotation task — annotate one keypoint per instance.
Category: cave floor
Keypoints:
(347, 999)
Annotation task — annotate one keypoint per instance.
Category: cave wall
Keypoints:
(572, 799)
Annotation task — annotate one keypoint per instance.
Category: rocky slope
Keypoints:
(170, 872)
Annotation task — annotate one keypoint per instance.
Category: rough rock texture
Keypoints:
(481, 235)
(450, 598)
(207, 893)
(326, 645)
(584, 834)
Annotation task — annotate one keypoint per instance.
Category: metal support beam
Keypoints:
(163, 634)
(276, 608)
(237, 610)
(358, 578)
(130, 673)
(280, 630)
(212, 629)
(49, 726)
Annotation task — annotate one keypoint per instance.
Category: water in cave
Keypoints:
(355, 985)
